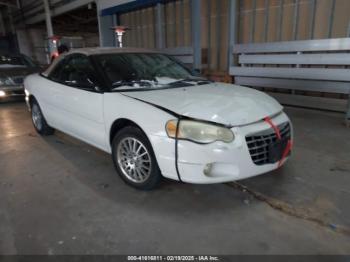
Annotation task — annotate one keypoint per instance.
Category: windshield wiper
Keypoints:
(131, 83)
(199, 81)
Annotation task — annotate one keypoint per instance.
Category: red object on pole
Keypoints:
(275, 128)
(279, 137)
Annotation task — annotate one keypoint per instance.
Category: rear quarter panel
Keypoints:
(36, 86)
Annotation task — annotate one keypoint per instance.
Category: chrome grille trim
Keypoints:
(18, 79)
(258, 143)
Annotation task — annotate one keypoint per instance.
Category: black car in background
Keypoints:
(13, 69)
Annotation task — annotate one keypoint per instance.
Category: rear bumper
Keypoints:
(217, 162)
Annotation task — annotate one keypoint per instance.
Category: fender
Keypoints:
(179, 117)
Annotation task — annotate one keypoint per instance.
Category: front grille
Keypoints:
(18, 79)
(258, 143)
(18, 92)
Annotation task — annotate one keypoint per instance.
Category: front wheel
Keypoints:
(39, 121)
(134, 159)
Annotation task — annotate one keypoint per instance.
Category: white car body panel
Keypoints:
(218, 102)
(89, 116)
(71, 110)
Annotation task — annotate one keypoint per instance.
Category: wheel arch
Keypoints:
(119, 124)
(31, 99)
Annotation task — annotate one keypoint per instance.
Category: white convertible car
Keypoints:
(158, 119)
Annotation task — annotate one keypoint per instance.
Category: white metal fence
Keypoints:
(311, 65)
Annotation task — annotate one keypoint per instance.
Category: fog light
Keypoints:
(207, 169)
(2, 93)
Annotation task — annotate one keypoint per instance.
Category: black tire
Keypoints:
(148, 178)
(39, 121)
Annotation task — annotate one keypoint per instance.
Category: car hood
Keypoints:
(226, 104)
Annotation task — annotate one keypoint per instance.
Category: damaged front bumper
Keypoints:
(217, 162)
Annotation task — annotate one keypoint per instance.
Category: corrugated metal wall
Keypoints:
(177, 25)
(287, 20)
(259, 21)
(142, 28)
(215, 34)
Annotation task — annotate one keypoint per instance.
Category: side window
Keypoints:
(117, 68)
(76, 71)
(55, 73)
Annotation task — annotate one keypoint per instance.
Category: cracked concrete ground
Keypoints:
(61, 196)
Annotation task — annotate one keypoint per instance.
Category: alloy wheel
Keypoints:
(134, 159)
(37, 117)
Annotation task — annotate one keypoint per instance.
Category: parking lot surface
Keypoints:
(61, 196)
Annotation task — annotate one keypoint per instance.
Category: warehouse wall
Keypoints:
(32, 42)
(314, 20)
(270, 21)
(177, 25)
(142, 28)
(258, 21)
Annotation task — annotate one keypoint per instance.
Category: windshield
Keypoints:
(142, 70)
(8, 61)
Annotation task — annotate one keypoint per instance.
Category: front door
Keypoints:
(77, 103)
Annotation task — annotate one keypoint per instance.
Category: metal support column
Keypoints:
(347, 120)
(2, 25)
(312, 18)
(196, 33)
(174, 24)
(233, 8)
(280, 20)
(266, 20)
(209, 35)
(115, 22)
(182, 23)
(105, 24)
(252, 22)
(52, 52)
(12, 25)
(106, 33)
(296, 19)
(331, 19)
(218, 35)
(159, 26)
(348, 113)
(48, 19)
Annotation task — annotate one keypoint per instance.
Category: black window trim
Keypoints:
(102, 78)
(66, 59)
(109, 88)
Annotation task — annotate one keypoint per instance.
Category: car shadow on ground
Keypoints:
(95, 169)
(310, 191)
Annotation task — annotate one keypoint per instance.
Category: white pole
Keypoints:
(120, 39)
(52, 43)
(48, 19)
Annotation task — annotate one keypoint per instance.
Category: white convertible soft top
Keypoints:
(97, 51)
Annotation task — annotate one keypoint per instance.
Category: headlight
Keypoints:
(199, 132)
(6, 81)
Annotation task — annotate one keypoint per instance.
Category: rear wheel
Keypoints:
(134, 159)
(39, 121)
